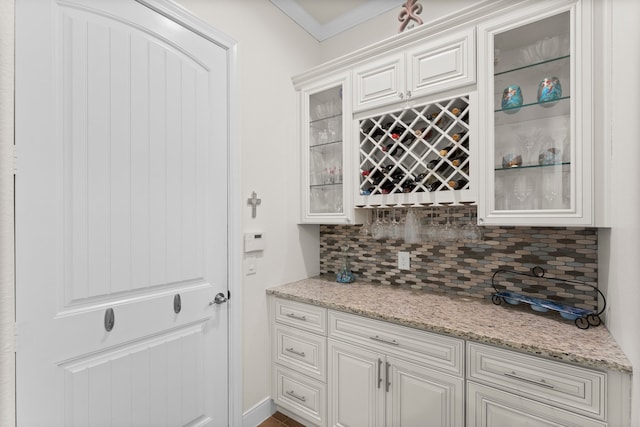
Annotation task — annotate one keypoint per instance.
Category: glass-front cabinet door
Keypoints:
(534, 128)
(325, 160)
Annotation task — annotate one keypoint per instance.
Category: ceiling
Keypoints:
(326, 18)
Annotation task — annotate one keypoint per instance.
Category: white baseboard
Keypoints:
(258, 413)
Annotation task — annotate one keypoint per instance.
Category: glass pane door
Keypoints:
(533, 168)
(325, 151)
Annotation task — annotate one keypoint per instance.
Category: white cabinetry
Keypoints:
(326, 165)
(433, 65)
(299, 356)
(535, 86)
(382, 374)
(510, 388)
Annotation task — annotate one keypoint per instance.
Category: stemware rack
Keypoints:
(583, 318)
(416, 150)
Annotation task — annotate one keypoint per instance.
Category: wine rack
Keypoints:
(416, 152)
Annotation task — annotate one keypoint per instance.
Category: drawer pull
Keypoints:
(292, 350)
(513, 375)
(384, 340)
(295, 316)
(379, 372)
(295, 396)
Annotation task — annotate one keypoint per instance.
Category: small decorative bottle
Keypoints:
(345, 275)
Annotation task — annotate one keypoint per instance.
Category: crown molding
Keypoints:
(348, 20)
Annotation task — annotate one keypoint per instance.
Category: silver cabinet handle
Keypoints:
(385, 340)
(386, 374)
(379, 372)
(295, 316)
(292, 350)
(541, 383)
(295, 396)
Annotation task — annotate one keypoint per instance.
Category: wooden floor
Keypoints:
(280, 420)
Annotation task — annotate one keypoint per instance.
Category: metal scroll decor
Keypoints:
(409, 13)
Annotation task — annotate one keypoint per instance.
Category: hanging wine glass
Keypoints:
(470, 232)
(377, 231)
(432, 230)
(449, 232)
(412, 227)
(365, 230)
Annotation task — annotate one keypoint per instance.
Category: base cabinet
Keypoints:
(371, 386)
(331, 368)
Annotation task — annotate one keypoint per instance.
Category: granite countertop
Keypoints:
(512, 327)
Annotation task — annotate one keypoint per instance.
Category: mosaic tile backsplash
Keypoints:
(464, 268)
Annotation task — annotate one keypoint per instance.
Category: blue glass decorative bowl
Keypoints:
(512, 99)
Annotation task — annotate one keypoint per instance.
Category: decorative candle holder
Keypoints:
(512, 99)
(549, 90)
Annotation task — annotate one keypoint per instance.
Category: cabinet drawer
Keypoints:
(300, 394)
(303, 316)
(303, 351)
(425, 348)
(488, 406)
(559, 384)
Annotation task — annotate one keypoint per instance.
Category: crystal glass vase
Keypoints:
(345, 275)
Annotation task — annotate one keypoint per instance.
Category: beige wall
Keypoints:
(621, 245)
(7, 376)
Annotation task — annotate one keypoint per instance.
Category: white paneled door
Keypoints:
(121, 218)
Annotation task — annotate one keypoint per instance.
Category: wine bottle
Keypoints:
(396, 132)
(408, 186)
(458, 136)
(458, 157)
(456, 111)
(458, 184)
(374, 175)
(387, 187)
(444, 170)
(393, 149)
(432, 183)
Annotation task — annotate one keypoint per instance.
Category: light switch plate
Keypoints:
(404, 260)
(249, 265)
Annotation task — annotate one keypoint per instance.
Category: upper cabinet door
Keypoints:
(326, 196)
(534, 89)
(433, 65)
(447, 62)
(379, 82)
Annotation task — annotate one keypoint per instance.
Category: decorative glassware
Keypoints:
(511, 160)
(512, 99)
(345, 275)
(549, 90)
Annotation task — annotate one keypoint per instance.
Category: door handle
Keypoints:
(219, 299)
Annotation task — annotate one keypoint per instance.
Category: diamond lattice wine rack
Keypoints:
(418, 155)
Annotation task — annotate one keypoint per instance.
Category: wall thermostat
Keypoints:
(253, 242)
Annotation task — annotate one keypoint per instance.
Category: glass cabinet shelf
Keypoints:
(325, 144)
(515, 168)
(539, 65)
(533, 111)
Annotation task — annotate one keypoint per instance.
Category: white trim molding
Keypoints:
(342, 23)
(7, 166)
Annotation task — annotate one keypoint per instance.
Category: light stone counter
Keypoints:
(512, 327)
